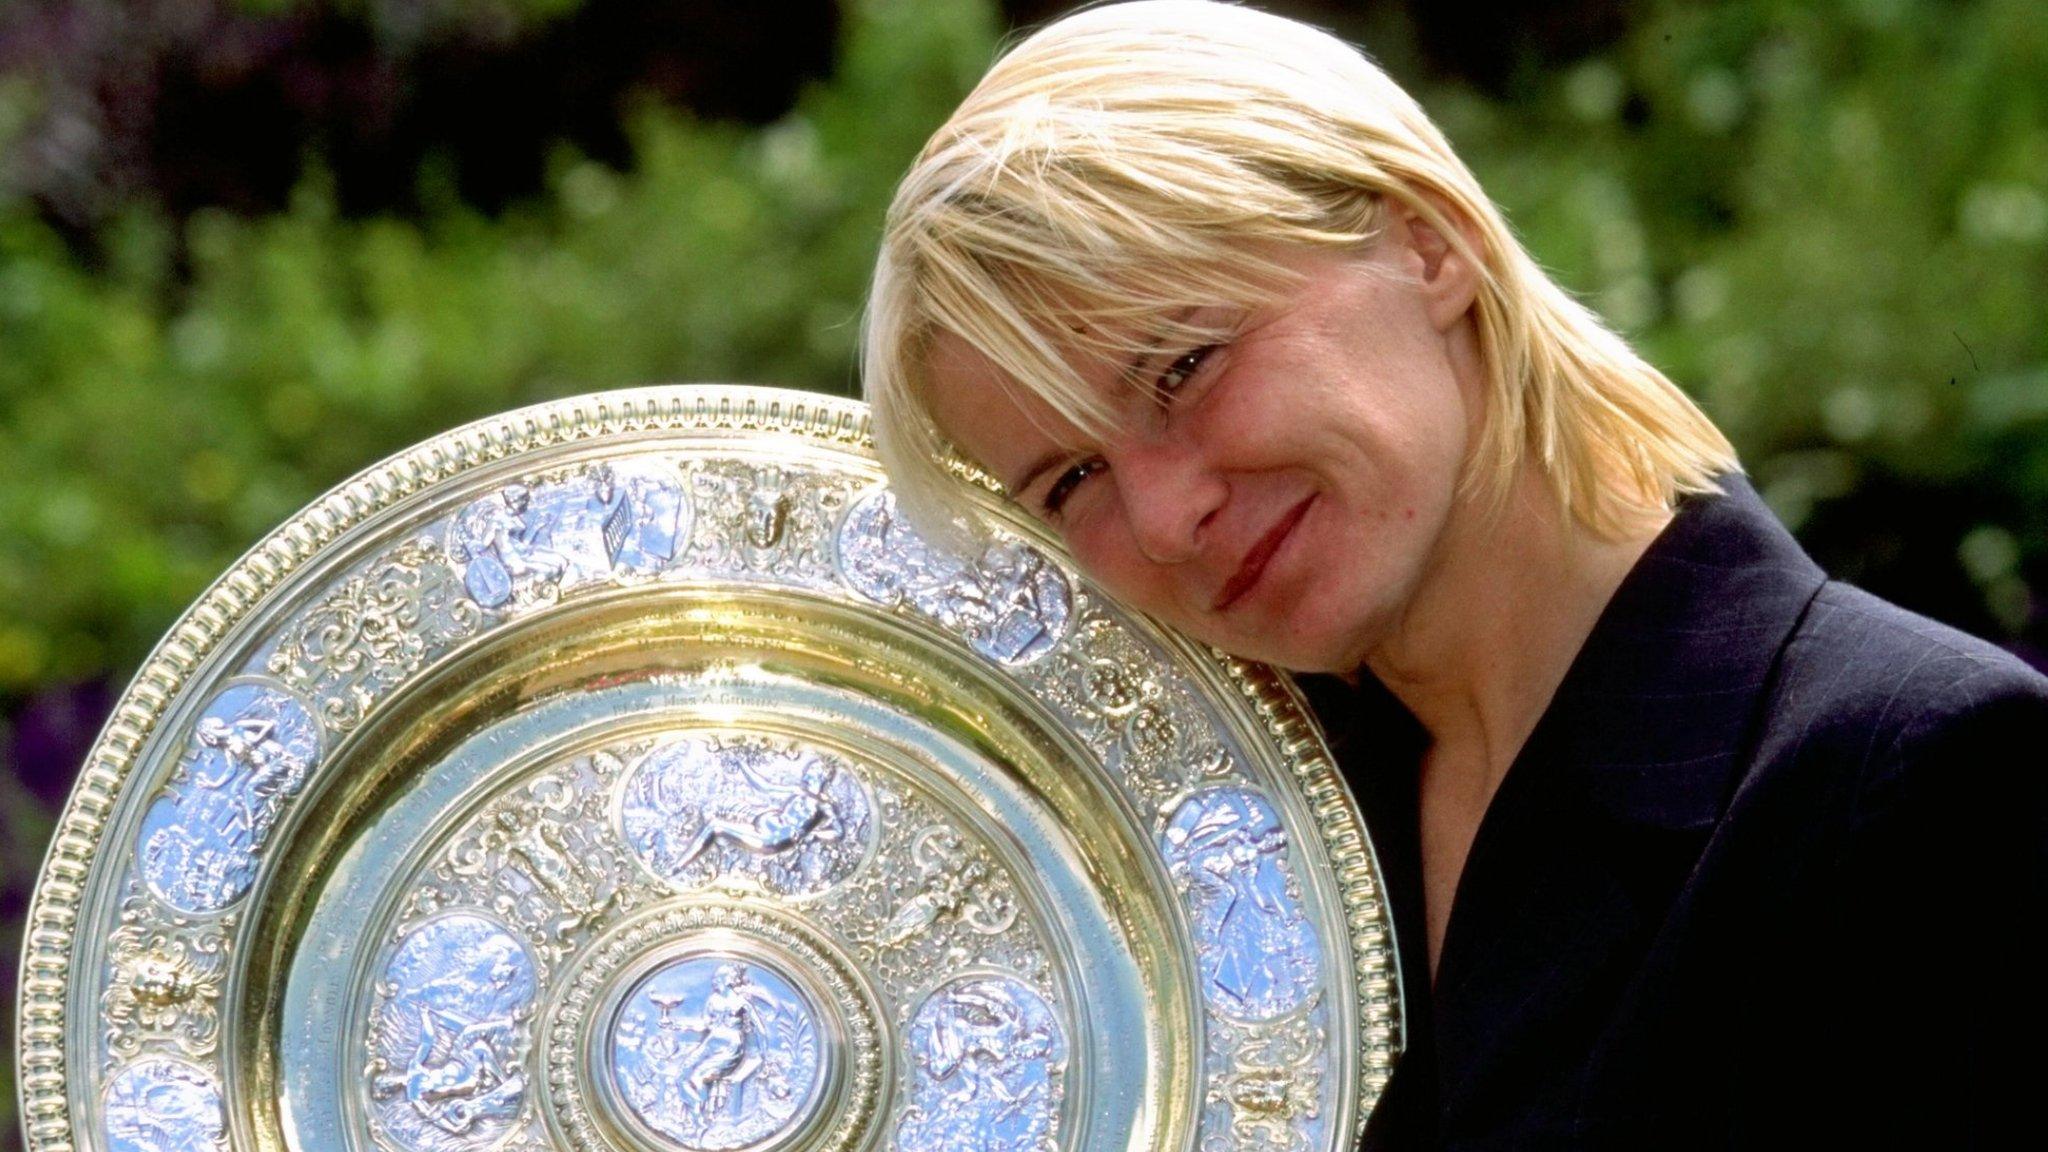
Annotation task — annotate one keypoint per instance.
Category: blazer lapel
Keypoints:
(1606, 809)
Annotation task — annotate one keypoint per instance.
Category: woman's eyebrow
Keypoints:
(1133, 373)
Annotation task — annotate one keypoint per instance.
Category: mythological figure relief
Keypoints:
(956, 883)
(716, 1052)
(539, 857)
(157, 1104)
(791, 820)
(1227, 853)
(1010, 603)
(250, 752)
(527, 543)
(766, 519)
(164, 977)
(987, 1055)
(373, 631)
(448, 1040)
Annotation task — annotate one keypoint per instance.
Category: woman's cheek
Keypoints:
(1092, 543)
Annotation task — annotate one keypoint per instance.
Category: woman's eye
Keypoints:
(1064, 484)
(1181, 370)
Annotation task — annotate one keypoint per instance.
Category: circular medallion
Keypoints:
(447, 1038)
(702, 1027)
(715, 1051)
(160, 1105)
(793, 822)
(986, 1051)
(626, 775)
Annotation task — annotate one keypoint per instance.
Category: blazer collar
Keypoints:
(1657, 709)
(1599, 818)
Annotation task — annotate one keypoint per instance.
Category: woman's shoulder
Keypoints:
(1864, 644)
(1888, 688)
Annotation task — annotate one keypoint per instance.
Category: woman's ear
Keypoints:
(1448, 281)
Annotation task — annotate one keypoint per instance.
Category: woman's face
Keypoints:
(1295, 491)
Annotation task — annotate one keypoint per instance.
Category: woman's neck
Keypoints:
(1487, 641)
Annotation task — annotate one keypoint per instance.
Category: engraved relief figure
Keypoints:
(506, 547)
(596, 520)
(250, 752)
(615, 517)
(715, 1053)
(539, 849)
(448, 1042)
(528, 542)
(986, 1053)
(162, 1105)
(794, 822)
(1010, 604)
(1026, 603)
(660, 521)
(1227, 854)
(957, 884)
(778, 819)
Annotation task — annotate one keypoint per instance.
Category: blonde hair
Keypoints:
(1132, 161)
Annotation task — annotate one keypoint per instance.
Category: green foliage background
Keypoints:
(1829, 223)
(1827, 220)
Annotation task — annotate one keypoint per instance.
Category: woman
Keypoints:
(1686, 844)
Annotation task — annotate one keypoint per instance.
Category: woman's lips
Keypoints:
(1254, 565)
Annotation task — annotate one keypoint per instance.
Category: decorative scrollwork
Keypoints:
(541, 857)
(957, 883)
(374, 631)
(765, 519)
(1269, 1085)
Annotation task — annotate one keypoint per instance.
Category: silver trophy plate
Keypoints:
(624, 775)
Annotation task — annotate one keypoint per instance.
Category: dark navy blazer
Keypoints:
(1767, 873)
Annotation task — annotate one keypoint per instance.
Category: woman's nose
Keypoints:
(1169, 495)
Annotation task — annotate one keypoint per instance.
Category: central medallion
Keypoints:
(714, 1028)
(716, 1052)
